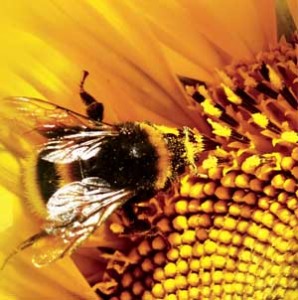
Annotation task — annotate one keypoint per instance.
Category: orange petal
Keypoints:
(267, 20)
(208, 33)
(293, 6)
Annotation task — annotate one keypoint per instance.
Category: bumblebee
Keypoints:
(86, 169)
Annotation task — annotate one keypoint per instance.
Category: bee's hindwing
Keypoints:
(75, 211)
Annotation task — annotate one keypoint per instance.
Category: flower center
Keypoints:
(231, 231)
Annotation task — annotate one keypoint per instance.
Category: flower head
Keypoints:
(227, 232)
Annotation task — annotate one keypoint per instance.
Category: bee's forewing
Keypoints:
(62, 135)
(47, 118)
(80, 146)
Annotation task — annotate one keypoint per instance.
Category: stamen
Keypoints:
(198, 97)
(228, 119)
(211, 108)
(209, 144)
(289, 97)
(263, 88)
(246, 98)
(264, 71)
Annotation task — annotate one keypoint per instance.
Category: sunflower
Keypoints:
(230, 232)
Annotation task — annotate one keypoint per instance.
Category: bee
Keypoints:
(86, 169)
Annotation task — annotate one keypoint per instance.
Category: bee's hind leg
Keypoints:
(94, 109)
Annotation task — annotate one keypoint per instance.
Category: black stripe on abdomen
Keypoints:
(48, 178)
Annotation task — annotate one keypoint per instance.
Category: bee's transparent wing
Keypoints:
(73, 147)
(75, 211)
(51, 247)
(67, 135)
(46, 117)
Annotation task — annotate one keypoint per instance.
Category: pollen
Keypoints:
(260, 119)
(230, 230)
(219, 129)
(231, 96)
(210, 108)
(290, 136)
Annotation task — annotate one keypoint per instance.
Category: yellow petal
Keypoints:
(175, 27)
(113, 43)
(6, 220)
